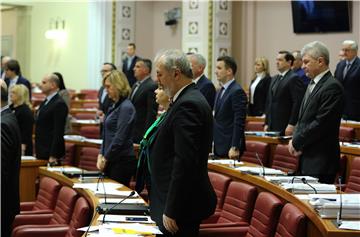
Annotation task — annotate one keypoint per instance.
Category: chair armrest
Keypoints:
(227, 231)
(45, 211)
(36, 219)
(26, 206)
(212, 219)
(40, 231)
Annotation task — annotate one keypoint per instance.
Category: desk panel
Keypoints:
(28, 177)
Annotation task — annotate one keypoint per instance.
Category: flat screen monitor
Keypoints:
(321, 16)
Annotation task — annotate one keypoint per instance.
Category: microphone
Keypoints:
(130, 195)
(306, 182)
(303, 180)
(262, 165)
(338, 218)
(101, 177)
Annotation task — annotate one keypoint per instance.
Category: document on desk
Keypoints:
(259, 170)
(98, 187)
(92, 140)
(126, 218)
(28, 158)
(74, 138)
(225, 162)
(63, 168)
(350, 225)
(306, 188)
(117, 200)
(114, 193)
(290, 179)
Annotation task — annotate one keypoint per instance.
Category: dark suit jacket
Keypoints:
(50, 125)
(229, 120)
(21, 80)
(10, 170)
(207, 88)
(317, 130)
(25, 119)
(130, 72)
(146, 107)
(118, 126)
(351, 84)
(283, 105)
(104, 105)
(181, 188)
(260, 95)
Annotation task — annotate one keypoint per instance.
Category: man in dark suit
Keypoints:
(181, 193)
(284, 97)
(10, 164)
(13, 75)
(143, 98)
(230, 111)
(316, 136)
(129, 63)
(50, 122)
(296, 67)
(206, 87)
(348, 73)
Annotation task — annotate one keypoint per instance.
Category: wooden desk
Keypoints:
(352, 124)
(255, 119)
(80, 103)
(317, 227)
(74, 111)
(28, 177)
(77, 124)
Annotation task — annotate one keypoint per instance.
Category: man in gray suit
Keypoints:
(316, 136)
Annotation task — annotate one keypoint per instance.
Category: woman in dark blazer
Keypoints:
(259, 87)
(117, 157)
(21, 106)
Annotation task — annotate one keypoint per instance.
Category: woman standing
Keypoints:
(259, 87)
(20, 104)
(117, 157)
(65, 95)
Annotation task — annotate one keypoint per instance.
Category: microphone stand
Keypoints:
(101, 178)
(106, 212)
(262, 165)
(338, 218)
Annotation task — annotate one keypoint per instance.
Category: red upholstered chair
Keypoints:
(90, 132)
(61, 215)
(283, 160)
(254, 126)
(84, 116)
(88, 158)
(80, 218)
(69, 154)
(90, 94)
(45, 200)
(253, 147)
(90, 105)
(353, 184)
(292, 222)
(263, 221)
(346, 134)
(237, 209)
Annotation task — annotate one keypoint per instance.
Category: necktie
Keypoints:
(346, 69)
(136, 87)
(276, 84)
(309, 89)
(42, 105)
(218, 101)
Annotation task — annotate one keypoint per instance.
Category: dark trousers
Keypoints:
(121, 170)
(186, 229)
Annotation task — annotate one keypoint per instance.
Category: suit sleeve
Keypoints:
(297, 90)
(268, 103)
(209, 93)
(239, 105)
(152, 107)
(331, 104)
(59, 127)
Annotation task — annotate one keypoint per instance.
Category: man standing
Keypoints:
(230, 112)
(316, 137)
(13, 75)
(348, 73)
(284, 97)
(50, 122)
(143, 98)
(296, 67)
(129, 63)
(181, 193)
(10, 164)
(206, 87)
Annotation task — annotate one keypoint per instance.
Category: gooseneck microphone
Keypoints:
(304, 182)
(101, 178)
(262, 165)
(338, 218)
(128, 196)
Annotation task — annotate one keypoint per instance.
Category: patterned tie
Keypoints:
(309, 89)
(346, 69)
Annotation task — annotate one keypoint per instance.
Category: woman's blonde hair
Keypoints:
(119, 80)
(265, 63)
(22, 92)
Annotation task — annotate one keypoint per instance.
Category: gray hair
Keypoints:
(352, 44)
(55, 79)
(199, 59)
(316, 49)
(174, 59)
(296, 54)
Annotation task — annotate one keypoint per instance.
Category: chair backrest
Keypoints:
(292, 222)
(353, 184)
(254, 126)
(47, 195)
(253, 147)
(69, 154)
(89, 94)
(283, 160)
(346, 134)
(88, 158)
(64, 206)
(265, 216)
(239, 203)
(220, 184)
(90, 132)
(80, 217)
